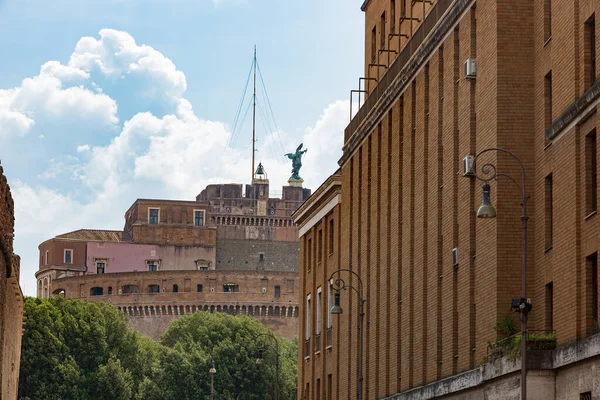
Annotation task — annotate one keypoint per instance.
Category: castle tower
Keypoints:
(260, 183)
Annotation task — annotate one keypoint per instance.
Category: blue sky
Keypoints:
(106, 101)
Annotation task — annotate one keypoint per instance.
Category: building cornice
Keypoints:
(364, 5)
(447, 21)
(324, 193)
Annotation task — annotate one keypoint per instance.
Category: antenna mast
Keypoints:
(254, 117)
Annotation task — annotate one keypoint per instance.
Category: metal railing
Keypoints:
(405, 55)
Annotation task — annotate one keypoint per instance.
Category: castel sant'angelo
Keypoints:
(229, 250)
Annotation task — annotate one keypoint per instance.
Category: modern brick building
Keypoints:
(445, 79)
(222, 252)
(11, 298)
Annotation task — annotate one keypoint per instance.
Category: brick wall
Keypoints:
(240, 255)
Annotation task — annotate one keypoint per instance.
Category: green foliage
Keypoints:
(74, 349)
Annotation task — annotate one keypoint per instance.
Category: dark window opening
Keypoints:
(331, 236)
(590, 51)
(129, 289)
(320, 249)
(329, 387)
(392, 16)
(547, 19)
(548, 211)
(230, 288)
(175, 288)
(309, 255)
(592, 294)
(110, 290)
(100, 268)
(261, 256)
(382, 31)
(277, 291)
(549, 303)
(548, 100)
(591, 178)
(152, 267)
(585, 396)
(374, 44)
(68, 257)
(153, 289)
(199, 288)
(96, 291)
(403, 8)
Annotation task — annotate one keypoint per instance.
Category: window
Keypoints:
(307, 331)
(128, 289)
(46, 257)
(549, 303)
(153, 289)
(199, 217)
(329, 387)
(318, 389)
(548, 211)
(392, 16)
(309, 255)
(382, 31)
(175, 288)
(110, 290)
(261, 256)
(230, 288)
(96, 291)
(331, 236)
(548, 100)
(547, 20)
(100, 267)
(68, 257)
(591, 178)
(277, 291)
(330, 304)
(320, 249)
(153, 215)
(199, 288)
(318, 327)
(585, 396)
(152, 267)
(589, 56)
(591, 277)
(403, 8)
(374, 44)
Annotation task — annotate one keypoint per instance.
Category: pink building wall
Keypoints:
(120, 257)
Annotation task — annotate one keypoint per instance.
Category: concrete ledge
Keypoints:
(540, 362)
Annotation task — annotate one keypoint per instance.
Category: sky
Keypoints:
(106, 101)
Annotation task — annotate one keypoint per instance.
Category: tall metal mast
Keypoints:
(254, 117)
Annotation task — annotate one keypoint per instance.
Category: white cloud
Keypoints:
(172, 156)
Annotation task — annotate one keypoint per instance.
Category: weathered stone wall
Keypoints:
(11, 298)
(245, 255)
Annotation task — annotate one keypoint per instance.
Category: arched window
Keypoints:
(129, 289)
(175, 288)
(153, 289)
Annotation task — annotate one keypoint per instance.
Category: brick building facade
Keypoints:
(224, 251)
(11, 298)
(437, 279)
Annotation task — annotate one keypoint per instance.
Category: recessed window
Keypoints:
(153, 289)
(152, 267)
(382, 31)
(230, 288)
(547, 19)
(329, 304)
(585, 396)
(261, 256)
(100, 266)
(199, 217)
(549, 304)
(320, 244)
(331, 236)
(46, 257)
(591, 262)
(307, 331)
(277, 291)
(318, 327)
(199, 288)
(548, 209)
(110, 290)
(589, 56)
(309, 255)
(374, 44)
(68, 257)
(591, 176)
(96, 291)
(175, 288)
(153, 215)
(392, 16)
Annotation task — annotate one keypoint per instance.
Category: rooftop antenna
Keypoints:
(254, 116)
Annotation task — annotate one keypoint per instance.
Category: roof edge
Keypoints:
(364, 5)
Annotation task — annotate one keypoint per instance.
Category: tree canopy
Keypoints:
(74, 349)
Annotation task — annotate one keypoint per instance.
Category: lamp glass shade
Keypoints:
(260, 360)
(336, 309)
(212, 371)
(486, 210)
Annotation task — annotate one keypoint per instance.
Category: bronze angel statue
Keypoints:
(296, 161)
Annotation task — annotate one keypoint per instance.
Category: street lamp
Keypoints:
(487, 210)
(260, 360)
(212, 371)
(339, 284)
